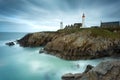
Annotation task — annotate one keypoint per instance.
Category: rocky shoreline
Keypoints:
(84, 44)
(109, 70)
(80, 44)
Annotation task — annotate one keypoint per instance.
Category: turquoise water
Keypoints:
(17, 63)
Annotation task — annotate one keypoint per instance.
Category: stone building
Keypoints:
(115, 24)
(78, 25)
(74, 26)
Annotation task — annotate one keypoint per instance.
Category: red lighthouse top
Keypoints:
(83, 16)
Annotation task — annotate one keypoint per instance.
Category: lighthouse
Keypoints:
(83, 20)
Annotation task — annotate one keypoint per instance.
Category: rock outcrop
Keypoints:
(89, 67)
(10, 43)
(109, 70)
(75, 44)
(37, 39)
(70, 76)
(83, 45)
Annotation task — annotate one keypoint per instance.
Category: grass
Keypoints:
(103, 32)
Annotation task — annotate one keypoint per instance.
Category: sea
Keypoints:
(18, 63)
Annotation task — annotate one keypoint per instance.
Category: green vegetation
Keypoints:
(95, 32)
(72, 30)
(104, 33)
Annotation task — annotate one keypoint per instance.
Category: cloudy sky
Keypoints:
(46, 15)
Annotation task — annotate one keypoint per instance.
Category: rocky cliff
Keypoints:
(37, 39)
(109, 70)
(75, 44)
(85, 44)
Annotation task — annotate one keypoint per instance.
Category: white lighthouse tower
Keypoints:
(61, 25)
(83, 20)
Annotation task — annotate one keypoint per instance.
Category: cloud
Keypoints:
(47, 14)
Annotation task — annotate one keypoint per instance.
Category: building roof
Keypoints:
(110, 24)
(115, 22)
(78, 24)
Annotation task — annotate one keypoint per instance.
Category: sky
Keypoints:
(46, 15)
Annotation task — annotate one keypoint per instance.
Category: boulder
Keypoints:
(88, 68)
(68, 76)
(109, 70)
(41, 50)
(10, 43)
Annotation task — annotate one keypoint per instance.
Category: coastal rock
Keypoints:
(70, 76)
(89, 67)
(10, 43)
(109, 70)
(76, 76)
(41, 50)
(83, 45)
(75, 44)
(37, 39)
